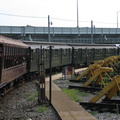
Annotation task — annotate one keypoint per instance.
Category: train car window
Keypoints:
(75, 52)
(14, 51)
(19, 51)
(37, 51)
(4, 50)
(33, 51)
(109, 52)
(10, 51)
(64, 53)
(45, 55)
(24, 52)
(55, 54)
(7, 50)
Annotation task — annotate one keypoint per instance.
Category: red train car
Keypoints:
(13, 60)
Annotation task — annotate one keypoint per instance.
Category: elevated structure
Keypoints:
(63, 34)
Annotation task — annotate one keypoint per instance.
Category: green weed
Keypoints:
(84, 94)
(31, 96)
(73, 94)
(42, 108)
(93, 112)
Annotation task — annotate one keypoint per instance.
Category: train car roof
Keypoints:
(12, 42)
(94, 45)
(36, 44)
(46, 45)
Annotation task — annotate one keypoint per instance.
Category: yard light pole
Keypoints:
(117, 18)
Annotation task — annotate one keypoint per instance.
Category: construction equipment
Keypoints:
(111, 61)
(91, 70)
(108, 90)
(98, 76)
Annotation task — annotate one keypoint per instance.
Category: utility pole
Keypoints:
(91, 31)
(117, 18)
(77, 16)
(50, 82)
(48, 28)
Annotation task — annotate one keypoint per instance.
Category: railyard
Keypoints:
(24, 100)
(40, 57)
(60, 60)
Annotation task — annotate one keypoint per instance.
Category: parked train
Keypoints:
(69, 54)
(20, 58)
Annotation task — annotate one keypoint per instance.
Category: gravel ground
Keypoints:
(21, 104)
(99, 116)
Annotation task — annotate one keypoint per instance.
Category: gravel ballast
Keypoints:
(21, 104)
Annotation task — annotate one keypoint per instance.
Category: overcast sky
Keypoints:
(63, 13)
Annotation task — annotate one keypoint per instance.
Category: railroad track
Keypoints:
(111, 106)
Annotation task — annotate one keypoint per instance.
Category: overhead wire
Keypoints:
(14, 15)
(21, 15)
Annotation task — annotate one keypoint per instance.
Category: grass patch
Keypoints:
(42, 109)
(35, 94)
(93, 112)
(73, 94)
(84, 94)
(73, 77)
(32, 96)
(28, 94)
